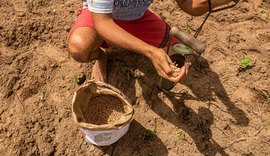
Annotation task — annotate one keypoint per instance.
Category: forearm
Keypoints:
(115, 35)
(199, 7)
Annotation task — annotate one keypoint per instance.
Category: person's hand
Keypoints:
(162, 63)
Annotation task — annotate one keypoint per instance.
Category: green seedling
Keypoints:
(245, 62)
(149, 135)
(181, 135)
(268, 96)
(266, 126)
(42, 96)
(264, 15)
(151, 154)
(80, 78)
(127, 71)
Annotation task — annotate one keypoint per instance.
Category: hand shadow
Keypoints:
(199, 80)
(196, 125)
(202, 81)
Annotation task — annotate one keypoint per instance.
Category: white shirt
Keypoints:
(120, 9)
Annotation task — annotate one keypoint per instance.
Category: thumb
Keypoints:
(187, 66)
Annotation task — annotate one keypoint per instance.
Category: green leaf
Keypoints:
(42, 97)
(80, 78)
(181, 134)
(264, 15)
(151, 154)
(150, 135)
(245, 62)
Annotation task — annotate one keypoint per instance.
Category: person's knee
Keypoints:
(78, 49)
(83, 44)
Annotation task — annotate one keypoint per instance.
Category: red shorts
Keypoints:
(149, 28)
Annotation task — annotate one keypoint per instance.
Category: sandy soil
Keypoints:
(216, 110)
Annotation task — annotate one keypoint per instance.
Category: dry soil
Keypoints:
(215, 110)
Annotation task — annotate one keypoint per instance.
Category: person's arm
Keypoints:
(112, 33)
(199, 7)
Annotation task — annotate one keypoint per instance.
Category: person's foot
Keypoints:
(99, 71)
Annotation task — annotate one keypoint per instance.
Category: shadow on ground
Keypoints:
(196, 125)
(136, 142)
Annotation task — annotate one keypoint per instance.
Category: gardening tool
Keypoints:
(189, 43)
(186, 47)
(192, 42)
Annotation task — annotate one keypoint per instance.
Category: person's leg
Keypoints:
(84, 46)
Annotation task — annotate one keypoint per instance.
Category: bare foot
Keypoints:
(99, 71)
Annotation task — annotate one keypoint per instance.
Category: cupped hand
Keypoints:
(162, 64)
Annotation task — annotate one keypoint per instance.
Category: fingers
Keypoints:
(162, 74)
(187, 64)
(183, 72)
(162, 63)
(166, 66)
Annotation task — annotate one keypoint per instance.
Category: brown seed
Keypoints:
(104, 109)
(175, 67)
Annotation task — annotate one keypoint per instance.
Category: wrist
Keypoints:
(149, 50)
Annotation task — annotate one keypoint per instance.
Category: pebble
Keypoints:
(11, 82)
(43, 67)
(21, 14)
(263, 70)
(92, 148)
(9, 135)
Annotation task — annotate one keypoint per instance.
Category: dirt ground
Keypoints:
(215, 110)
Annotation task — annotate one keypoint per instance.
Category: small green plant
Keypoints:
(268, 96)
(266, 126)
(181, 135)
(245, 62)
(264, 15)
(127, 71)
(80, 78)
(149, 135)
(151, 154)
(42, 96)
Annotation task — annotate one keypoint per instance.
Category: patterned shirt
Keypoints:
(120, 9)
